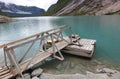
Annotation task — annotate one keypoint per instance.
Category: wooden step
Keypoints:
(4, 72)
(3, 69)
(6, 76)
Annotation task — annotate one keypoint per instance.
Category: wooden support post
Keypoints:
(55, 47)
(72, 33)
(5, 58)
(13, 61)
(26, 52)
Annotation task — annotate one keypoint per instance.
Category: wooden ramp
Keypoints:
(14, 66)
(6, 73)
(41, 56)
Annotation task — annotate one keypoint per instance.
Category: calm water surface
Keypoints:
(105, 29)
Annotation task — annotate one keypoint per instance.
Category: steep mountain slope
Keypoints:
(16, 10)
(56, 7)
(89, 7)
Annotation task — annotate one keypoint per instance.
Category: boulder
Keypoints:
(35, 77)
(91, 75)
(26, 76)
(4, 19)
(37, 72)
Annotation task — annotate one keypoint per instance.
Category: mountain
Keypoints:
(85, 7)
(17, 10)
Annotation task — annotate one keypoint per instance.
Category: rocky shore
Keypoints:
(104, 73)
(4, 19)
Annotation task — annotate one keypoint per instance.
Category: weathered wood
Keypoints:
(29, 41)
(6, 76)
(85, 49)
(41, 56)
(18, 68)
(87, 41)
(56, 33)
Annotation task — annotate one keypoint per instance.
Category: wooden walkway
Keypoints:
(6, 73)
(17, 67)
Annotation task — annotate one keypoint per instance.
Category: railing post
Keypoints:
(5, 58)
(72, 33)
(13, 61)
(54, 53)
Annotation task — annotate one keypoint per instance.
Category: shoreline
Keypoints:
(5, 19)
(67, 70)
(104, 73)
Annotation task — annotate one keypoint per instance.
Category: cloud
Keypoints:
(39, 3)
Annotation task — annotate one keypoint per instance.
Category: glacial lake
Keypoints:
(104, 29)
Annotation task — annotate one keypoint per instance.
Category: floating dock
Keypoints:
(14, 66)
(85, 49)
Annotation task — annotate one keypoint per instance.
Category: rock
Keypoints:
(62, 76)
(37, 72)
(115, 76)
(26, 76)
(88, 7)
(106, 70)
(91, 75)
(35, 77)
(4, 19)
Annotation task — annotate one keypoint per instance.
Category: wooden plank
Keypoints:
(3, 69)
(6, 76)
(86, 42)
(4, 72)
(85, 50)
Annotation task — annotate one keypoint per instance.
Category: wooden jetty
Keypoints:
(14, 66)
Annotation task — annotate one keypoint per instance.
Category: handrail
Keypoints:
(35, 39)
(23, 39)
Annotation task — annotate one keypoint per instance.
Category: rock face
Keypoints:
(90, 7)
(104, 73)
(89, 75)
(4, 19)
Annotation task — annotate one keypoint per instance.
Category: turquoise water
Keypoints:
(104, 29)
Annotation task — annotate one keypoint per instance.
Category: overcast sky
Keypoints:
(39, 3)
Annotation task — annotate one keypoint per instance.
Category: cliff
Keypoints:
(86, 7)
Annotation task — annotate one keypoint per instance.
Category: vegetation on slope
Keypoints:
(56, 7)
